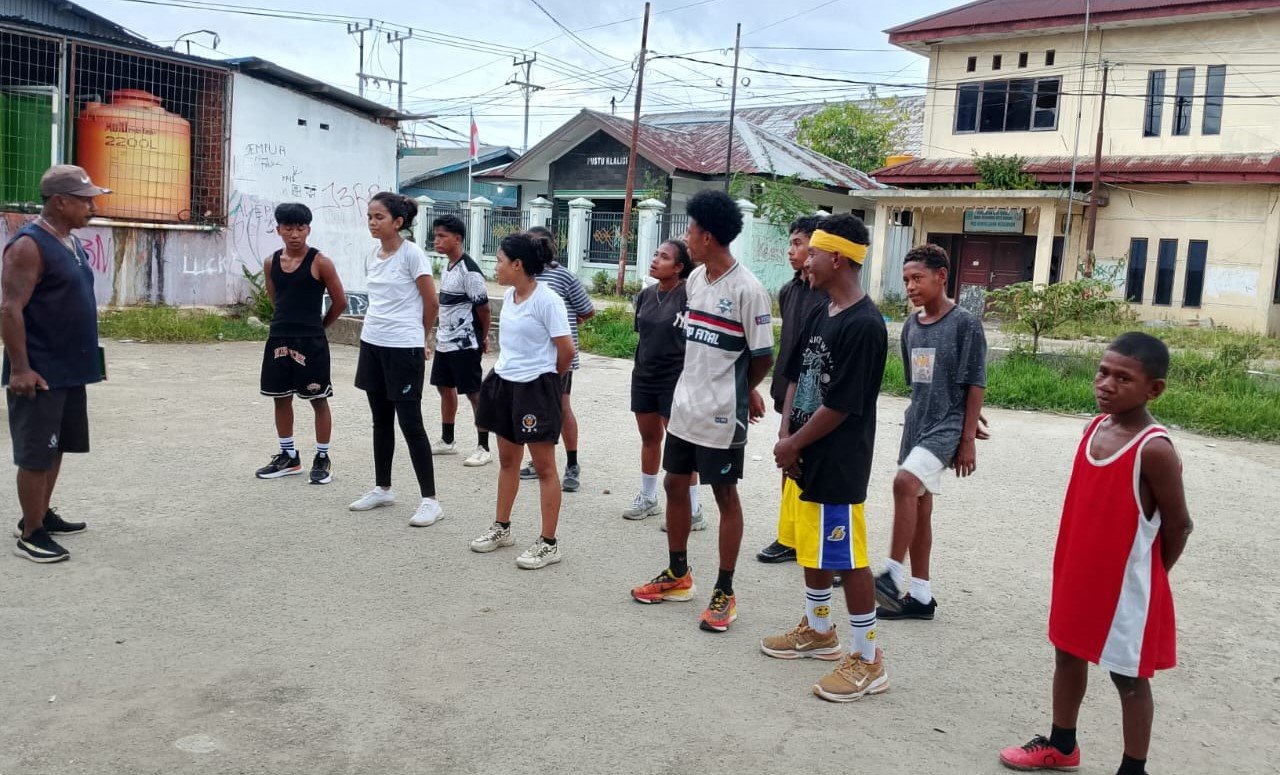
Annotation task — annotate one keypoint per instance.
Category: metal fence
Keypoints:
(560, 233)
(672, 225)
(499, 223)
(606, 239)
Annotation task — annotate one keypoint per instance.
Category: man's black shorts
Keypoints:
(48, 424)
(713, 466)
(649, 398)
(395, 372)
(296, 366)
(459, 369)
(521, 412)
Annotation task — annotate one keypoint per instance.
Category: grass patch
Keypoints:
(170, 324)
(1176, 337)
(609, 332)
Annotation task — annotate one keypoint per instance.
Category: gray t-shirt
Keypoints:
(941, 360)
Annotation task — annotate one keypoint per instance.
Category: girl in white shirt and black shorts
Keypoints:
(392, 365)
(520, 399)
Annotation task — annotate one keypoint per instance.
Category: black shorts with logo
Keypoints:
(48, 424)
(713, 466)
(459, 369)
(652, 397)
(394, 372)
(522, 412)
(296, 365)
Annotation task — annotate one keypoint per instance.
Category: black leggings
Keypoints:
(415, 435)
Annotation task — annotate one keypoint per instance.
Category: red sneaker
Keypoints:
(665, 587)
(720, 613)
(1039, 755)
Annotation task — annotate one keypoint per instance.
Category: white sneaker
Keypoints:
(539, 555)
(428, 513)
(493, 538)
(699, 522)
(641, 507)
(481, 457)
(373, 499)
(441, 448)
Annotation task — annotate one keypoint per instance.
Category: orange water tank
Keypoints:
(896, 159)
(141, 152)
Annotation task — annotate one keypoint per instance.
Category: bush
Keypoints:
(609, 332)
(258, 303)
(605, 284)
(893, 306)
(1039, 310)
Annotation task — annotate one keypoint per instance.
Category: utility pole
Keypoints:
(1089, 258)
(631, 157)
(527, 86)
(357, 28)
(733, 104)
(398, 38)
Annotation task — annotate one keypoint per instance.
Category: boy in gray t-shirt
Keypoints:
(944, 355)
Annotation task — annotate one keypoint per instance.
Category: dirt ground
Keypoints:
(213, 623)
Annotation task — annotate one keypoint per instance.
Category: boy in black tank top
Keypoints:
(296, 358)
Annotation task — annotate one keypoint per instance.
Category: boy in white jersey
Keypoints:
(728, 352)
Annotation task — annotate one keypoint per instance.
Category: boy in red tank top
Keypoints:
(1124, 525)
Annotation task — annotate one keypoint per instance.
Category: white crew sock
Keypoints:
(649, 485)
(693, 499)
(921, 590)
(322, 449)
(286, 446)
(817, 606)
(897, 573)
(863, 635)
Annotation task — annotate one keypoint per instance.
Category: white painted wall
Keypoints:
(333, 171)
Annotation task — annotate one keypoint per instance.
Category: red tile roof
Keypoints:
(1005, 17)
(1205, 168)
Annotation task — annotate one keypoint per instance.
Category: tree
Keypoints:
(860, 135)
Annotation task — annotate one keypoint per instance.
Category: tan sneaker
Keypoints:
(803, 641)
(853, 679)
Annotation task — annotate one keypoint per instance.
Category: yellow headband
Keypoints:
(832, 244)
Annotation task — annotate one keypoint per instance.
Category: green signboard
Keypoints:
(994, 221)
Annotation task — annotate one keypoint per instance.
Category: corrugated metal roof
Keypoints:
(319, 90)
(1190, 168)
(69, 17)
(414, 169)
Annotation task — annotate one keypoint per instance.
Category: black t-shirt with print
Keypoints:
(660, 351)
(839, 364)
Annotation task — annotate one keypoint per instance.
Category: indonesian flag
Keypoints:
(475, 137)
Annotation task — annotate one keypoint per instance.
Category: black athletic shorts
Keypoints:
(48, 424)
(652, 398)
(713, 466)
(458, 369)
(521, 412)
(566, 382)
(396, 372)
(296, 366)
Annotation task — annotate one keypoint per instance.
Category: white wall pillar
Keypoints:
(741, 246)
(1266, 270)
(422, 226)
(539, 212)
(1044, 244)
(480, 208)
(579, 232)
(647, 235)
(873, 278)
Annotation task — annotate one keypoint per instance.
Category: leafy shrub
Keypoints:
(1003, 173)
(605, 284)
(258, 303)
(1039, 310)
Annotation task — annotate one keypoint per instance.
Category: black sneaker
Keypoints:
(40, 547)
(529, 472)
(910, 608)
(55, 525)
(282, 464)
(887, 595)
(321, 469)
(776, 552)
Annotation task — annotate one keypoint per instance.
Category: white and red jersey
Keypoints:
(1111, 599)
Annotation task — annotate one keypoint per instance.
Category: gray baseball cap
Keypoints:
(69, 179)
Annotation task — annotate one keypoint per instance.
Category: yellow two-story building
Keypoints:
(1188, 223)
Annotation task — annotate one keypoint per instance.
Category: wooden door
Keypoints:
(1010, 263)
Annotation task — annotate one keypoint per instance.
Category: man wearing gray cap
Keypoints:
(49, 320)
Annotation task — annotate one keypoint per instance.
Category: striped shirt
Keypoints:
(576, 301)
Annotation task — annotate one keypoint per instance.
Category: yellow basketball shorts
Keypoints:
(825, 536)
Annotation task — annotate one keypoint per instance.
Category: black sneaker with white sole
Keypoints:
(888, 597)
(528, 472)
(283, 464)
(910, 609)
(40, 547)
(321, 470)
(54, 524)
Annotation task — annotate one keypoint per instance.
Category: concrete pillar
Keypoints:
(540, 212)
(1044, 244)
(1266, 270)
(579, 233)
(478, 214)
(422, 226)
(873, 269)
(648, 233)
(741, 247)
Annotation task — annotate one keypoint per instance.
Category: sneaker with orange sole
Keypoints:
(1039, 754)
(720, 613)
(853, 679)
(665, 586)
(803, 641)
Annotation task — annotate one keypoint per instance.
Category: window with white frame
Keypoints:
(1013, 105)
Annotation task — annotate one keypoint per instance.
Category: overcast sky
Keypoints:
(467, 69)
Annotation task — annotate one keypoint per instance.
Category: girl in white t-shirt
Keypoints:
(392, 364)
(520, 399)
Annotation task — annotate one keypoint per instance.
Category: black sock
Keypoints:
(572, 454)
(446, 432)
(678, 564)
(1063, 739)
(483, 438)
(548, 541)
(724, 581)
(1132, 766)
(504, 525)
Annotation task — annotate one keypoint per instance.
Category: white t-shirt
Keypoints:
(394, 318)
(525, 331)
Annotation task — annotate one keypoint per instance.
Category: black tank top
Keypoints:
(298, 299)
